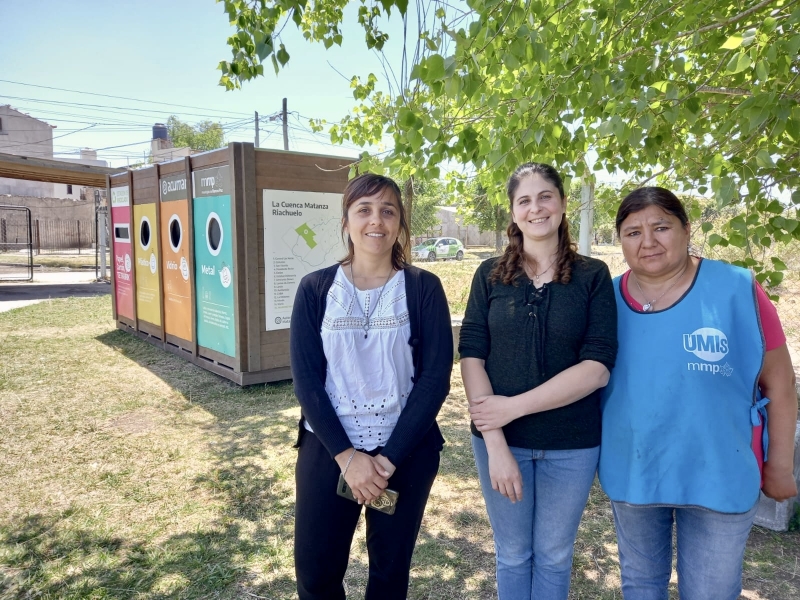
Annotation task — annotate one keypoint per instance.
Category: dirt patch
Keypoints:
(137, 422)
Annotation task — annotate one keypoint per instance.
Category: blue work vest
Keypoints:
(677, 410)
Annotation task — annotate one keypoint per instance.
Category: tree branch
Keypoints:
(723, 90)
(734, 19)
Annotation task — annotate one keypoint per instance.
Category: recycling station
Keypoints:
(208, 250)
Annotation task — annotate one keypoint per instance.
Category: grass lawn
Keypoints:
(71, 260)
(128, 473)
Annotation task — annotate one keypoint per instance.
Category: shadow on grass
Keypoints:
(51, 558)
(245, 551)
(76, 555)
(482, 254)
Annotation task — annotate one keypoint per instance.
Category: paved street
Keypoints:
(50, 284)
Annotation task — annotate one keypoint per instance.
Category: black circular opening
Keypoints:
(214, 234)
(144, 234)
(175, 233)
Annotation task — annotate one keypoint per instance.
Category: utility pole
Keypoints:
(285, 127)
(257, 140)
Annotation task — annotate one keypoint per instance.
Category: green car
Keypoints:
(438, 248)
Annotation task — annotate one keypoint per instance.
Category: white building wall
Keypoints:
(452, 225)
(24, 135)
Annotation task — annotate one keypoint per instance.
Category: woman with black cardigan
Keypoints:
(372, 352)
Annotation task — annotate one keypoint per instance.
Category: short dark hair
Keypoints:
(370, 184)
(641, 198)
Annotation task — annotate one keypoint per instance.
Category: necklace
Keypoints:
(367, 316)
(536, 276)
(649, 306)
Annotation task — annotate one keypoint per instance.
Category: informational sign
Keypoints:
(123, 251)
(148, 285)
(302, 233)
(175, 244)
(213, 255)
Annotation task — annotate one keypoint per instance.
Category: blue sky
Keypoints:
(149, 52)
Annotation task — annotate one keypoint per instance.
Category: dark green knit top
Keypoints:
(528, 335)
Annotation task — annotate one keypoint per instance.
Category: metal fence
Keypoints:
(55, 236)
(16, 248)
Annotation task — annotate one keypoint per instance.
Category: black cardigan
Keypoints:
(432, 351)
(527, 336)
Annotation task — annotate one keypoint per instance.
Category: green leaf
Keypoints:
(645, 121)
(283, 55)
(778, 263)
(263, 50)
(717, 240)
(739, 63)
(726, 190)
(706, 227)
(732, 42)
(430, 133)
(716, 164)
(737, 240)
(764, 160)
(406, 118)
(414, 139)
(435, 64)
(774, 278)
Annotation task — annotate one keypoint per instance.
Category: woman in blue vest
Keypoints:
(700, 345)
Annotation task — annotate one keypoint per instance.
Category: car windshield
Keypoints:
(426, 243)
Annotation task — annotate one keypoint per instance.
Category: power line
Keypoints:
(50, 139)
(106, 108)
(46, 87)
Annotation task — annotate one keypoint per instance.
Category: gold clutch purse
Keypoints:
(386, 502)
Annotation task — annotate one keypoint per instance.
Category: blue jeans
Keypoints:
(534, 538)
(710, 551)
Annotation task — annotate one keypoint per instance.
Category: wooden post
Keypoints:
(79, 236)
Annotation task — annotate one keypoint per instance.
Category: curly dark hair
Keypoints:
(511, 264)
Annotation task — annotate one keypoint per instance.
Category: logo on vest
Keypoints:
(710, 345)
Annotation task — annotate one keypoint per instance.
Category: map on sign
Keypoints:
(302, 234)
(302, 243)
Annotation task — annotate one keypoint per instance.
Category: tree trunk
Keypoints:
(498, 230)
(408, 204)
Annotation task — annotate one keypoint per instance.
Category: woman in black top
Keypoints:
(537, 342)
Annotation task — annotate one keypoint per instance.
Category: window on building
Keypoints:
(1, 124)
(69, 188)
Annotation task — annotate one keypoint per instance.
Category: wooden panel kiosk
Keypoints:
(252, 224)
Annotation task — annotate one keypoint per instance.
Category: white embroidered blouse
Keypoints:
(368, 378)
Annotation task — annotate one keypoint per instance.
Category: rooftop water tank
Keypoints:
(160, 132)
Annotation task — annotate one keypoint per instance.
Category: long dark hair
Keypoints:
(370, 184)
(512, 263)
(641, 198)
